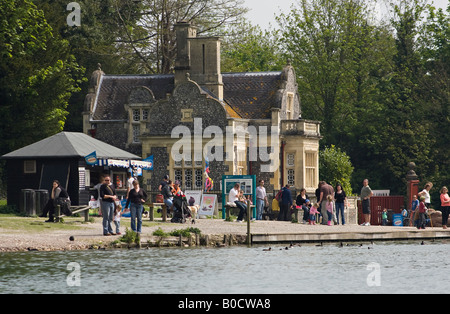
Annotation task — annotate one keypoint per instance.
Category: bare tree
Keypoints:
(153, 40)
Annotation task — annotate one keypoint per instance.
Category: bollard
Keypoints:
(58, 212)
(249, 241)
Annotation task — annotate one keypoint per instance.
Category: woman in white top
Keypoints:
(426, 193)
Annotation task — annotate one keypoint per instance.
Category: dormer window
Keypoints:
(136, 115)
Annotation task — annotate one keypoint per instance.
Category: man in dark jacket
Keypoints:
(285, 205)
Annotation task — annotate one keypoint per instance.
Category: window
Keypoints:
(145, 114)
(136, 115)
(29, 166)
(136, 133)
(189, 173)
(310, 169)
(290, 164)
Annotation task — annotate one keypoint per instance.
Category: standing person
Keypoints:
(300, 202)
(137, 198)
(422, 210)
(426, 193)
(286, 203)
(329, 205)
(341, 201)
(130, 181)
(325, 190)
(384, 220)
(366, 194)
(261, 200)
(108, 195)
(445, 206)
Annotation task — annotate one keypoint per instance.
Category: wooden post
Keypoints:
(86, 215)
(164, 212)
(151, 211)
(58, 212)
(249, 241)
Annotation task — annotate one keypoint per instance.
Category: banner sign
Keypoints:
(91, 159)
(118, 163)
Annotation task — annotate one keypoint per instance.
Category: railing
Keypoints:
(300, 127)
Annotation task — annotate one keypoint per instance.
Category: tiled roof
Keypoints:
(251, 95)
(246, 95)
(114, 91)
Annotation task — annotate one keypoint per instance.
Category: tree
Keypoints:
(37, 76)
(251, 50)
(335, 49)
(335, 167)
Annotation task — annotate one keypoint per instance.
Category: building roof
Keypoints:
(69, 144)
(246, 95)
(252, 94)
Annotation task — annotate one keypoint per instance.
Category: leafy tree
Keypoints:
(251, 50)
(335, 167)
(37, 76)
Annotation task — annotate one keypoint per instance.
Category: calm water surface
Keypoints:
(379, 268)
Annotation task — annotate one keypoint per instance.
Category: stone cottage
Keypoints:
(242, 123)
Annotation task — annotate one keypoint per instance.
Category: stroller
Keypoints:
(181, 210)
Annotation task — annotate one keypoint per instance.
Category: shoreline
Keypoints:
(214, 233)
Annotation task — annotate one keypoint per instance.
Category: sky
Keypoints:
(262, 11)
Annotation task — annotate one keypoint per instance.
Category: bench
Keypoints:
(74, 210)
(228, 210)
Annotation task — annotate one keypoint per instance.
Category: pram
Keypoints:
(181, 210)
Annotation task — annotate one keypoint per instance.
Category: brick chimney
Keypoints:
(200, 57)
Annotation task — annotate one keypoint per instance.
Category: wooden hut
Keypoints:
(62, 157)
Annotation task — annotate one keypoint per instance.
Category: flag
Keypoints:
(91, 159)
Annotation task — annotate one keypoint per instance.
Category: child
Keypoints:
(329, 207)
(422, 210)
(312, 214)
(415, 203)
(117, 213)
(384, 217)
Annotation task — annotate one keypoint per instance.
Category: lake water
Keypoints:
(370, 268)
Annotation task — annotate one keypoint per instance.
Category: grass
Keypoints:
(36, 224)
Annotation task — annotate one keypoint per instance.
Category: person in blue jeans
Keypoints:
(108, 198)
(136, 199)
(340, 201)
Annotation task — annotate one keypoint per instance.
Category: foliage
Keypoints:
(130, 236)
(380, 90)
(249, 49)
(37, 76)
(176, 233)
(335, 167)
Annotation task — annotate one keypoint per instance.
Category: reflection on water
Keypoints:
(369, 268)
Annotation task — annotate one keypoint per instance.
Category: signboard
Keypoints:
(195, 194)
(247, 184)
(208, 205)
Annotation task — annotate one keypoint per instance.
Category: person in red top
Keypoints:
(445, 206)
(422, 210)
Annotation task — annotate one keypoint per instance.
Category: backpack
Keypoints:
(279, 195)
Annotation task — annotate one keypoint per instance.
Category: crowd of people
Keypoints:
(329, 207)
